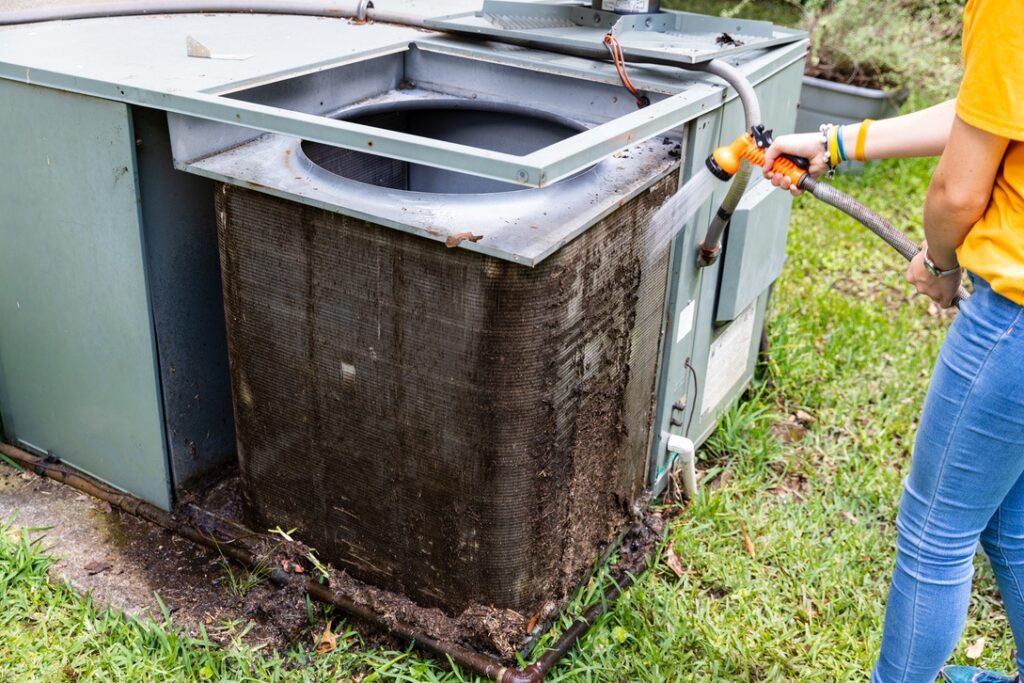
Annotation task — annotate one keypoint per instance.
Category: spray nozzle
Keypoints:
(725, 161)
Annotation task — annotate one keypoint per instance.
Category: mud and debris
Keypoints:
(501, 492)
(724, 39)
(646, 531)
(125, 562)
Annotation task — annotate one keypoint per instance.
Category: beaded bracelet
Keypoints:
(825, 130)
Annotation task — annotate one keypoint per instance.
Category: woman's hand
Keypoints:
(806, 145)
(942, 289)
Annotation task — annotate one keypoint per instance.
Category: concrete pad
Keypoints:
(123, 562)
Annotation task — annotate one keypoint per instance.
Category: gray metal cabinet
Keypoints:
(102, 306)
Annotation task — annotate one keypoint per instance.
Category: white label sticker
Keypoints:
(728, 360)
(685, 322)
(624, 5)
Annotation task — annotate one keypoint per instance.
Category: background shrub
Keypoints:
(911, 45)
(897, 45)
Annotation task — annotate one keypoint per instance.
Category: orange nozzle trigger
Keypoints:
(730, 157)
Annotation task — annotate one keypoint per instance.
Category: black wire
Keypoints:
(693, 406)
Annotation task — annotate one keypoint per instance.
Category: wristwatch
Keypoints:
(935, 271)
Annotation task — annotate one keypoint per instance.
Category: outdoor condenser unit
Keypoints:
(455, 357)
(447, 424)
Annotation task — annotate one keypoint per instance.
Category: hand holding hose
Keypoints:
(797, 174)
(945, 291)
(881, 227)
(805, 145)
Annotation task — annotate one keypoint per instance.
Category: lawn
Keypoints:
(803, 601)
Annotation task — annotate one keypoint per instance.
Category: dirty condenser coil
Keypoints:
(445, 424)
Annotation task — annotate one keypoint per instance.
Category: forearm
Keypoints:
(945, 226)
(919, 134)
(960, 189)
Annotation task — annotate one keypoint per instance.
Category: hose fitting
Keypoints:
(726, 161)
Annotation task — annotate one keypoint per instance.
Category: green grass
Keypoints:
(848, 346)
(786, 12)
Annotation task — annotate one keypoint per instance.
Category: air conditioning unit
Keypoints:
(441, 422)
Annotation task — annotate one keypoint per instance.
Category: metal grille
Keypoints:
(513, 22)
(441, 423)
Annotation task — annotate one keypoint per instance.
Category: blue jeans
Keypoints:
(965, 484)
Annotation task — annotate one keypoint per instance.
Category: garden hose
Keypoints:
(711, 245)
(727, 160)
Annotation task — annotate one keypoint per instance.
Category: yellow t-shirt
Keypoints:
(992, 98)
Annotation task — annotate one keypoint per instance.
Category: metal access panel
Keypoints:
(183, 275)
(78, 374)
(680, 37)
(142, 61)
(756, 249)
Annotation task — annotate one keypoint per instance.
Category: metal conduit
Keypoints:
(339, 9)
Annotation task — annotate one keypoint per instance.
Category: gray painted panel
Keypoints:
(755, 249)
(188, 313)
(77, 366)
(674, 382)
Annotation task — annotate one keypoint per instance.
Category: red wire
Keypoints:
(619, 58)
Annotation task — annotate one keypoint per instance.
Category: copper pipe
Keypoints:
(536, 672)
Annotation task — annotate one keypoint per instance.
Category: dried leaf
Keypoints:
(328, 642)
(790, 431)
(459, 237)
(747, 542)
(673, 562)
(975, 650)
(848, 517)
(804, 418)
(97, 566)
